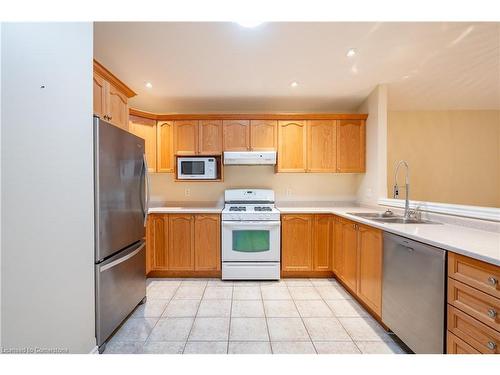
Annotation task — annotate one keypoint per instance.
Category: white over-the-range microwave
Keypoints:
(196, 168)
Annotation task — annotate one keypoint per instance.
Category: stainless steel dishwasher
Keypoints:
(413, 293)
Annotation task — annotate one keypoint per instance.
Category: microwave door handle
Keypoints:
(148, 189)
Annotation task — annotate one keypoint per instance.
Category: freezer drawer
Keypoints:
(413, 293)
(120, 287)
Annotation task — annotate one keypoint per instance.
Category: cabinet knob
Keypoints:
(492, 280)
(492, 313)
(491, 345)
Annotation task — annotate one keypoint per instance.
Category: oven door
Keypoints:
(250, 241)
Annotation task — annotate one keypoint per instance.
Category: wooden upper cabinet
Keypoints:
(369, 285)
(118, 108)
(296, 254)
(292, 143)
(350, 146)
(145, 129)
(207, 242)
(165, 146)
(210, 137)
(264, 135)
(157, 242)
(100, 95)
(321, 146)
(181, 242)
(321, 242)
(186, 137)
(236, 135)
(111, 97)
(350, 252)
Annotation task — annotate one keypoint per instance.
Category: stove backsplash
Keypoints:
(287, 186)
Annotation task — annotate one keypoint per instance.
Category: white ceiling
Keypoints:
(218, 67)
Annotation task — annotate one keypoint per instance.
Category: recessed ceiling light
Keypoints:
(406, 77)
(249, 23)
(351, 52)
(294, 84)
(148, 85)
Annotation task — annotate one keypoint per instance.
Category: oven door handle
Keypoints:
(265, 224)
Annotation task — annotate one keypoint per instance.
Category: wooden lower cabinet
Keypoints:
(350, 251)
(473, 306)
(157, 243)
(458, 346)
(357, 261)
(369, 280)
(296, 249)
(179, 243)
(207, 248)
(322, 242)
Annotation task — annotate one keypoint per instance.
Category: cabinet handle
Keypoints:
(491, 345)
(492, 313)
(492, 280)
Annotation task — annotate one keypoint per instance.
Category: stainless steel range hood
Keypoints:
(250, 158)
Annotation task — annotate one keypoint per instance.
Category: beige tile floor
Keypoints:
(291, 316)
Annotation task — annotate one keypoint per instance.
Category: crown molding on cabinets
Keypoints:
(475, 212)
(248, 116)
(114, 80)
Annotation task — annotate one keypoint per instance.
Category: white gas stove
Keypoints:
(250, 235)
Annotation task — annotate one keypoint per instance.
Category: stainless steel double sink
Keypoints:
(384, 217)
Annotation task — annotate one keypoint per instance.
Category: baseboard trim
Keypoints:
(306, 274)
(473, 212)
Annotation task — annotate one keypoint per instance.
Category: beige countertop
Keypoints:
(475, 243)
(478, 244)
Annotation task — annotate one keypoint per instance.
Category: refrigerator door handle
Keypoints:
(121, 260)
(148, 189)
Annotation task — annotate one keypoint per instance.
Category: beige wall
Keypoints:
(454, 156)
(303, 186)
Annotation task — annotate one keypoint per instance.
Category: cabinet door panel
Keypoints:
(186, 137)
(291, 146)
(207, 243)
(338, 253)
(350, 146)
(236, 135)
(145, 129)
(321, 239)
(456, 345)
(210, 136)
(349, 246)
(264, 135)
(322, 146)
(165, 146)
(157, 243)
(181, 244)
(296, 242)
(370, 267)
(118, 108)
(100, 96)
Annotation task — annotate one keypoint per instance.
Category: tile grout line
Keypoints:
(230, 317)
(195, 316)
(265, 319)
(301, 319)
(340, 322)
(147, 338)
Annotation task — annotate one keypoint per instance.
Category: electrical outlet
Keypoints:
(288, 192)
(187, 192)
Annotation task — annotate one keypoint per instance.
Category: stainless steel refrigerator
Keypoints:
(121, 203)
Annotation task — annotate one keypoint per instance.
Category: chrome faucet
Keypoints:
(407, 187)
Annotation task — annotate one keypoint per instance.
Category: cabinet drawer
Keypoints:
(475, 333)
(480, 275)
(459, 346)
(477, 304)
